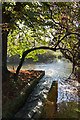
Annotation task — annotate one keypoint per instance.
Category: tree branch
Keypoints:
(66, 36)
(28, 51)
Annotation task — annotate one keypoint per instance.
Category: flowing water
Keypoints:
(67, 90)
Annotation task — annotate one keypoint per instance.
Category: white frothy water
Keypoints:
(55, 71)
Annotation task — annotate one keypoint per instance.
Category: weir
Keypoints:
(66, 92)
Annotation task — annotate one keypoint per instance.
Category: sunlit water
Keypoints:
(54, 71)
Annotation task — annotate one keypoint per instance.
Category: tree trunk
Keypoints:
(4, 56)
(28, 51)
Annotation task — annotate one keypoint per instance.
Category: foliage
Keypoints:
(53, 24)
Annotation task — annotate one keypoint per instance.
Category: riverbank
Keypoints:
(67, 90)
(59, 71)
(15, 93)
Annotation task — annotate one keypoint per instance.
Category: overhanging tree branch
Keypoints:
(28, 51)
(66, 36)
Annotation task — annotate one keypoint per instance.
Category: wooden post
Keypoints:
(50, 106)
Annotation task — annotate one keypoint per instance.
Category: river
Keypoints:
(57, 70)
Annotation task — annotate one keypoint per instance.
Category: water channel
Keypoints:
(67, 101)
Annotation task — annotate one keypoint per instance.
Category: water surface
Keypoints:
(58, 70)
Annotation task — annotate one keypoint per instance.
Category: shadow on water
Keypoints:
(67, 101)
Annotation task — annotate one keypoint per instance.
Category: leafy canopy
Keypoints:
(54, 24)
